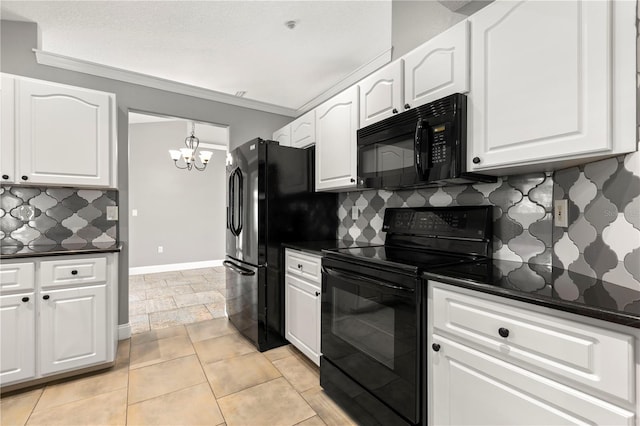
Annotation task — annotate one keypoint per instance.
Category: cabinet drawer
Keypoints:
(598, 358)
(57, 273)
(16, 277)
(304, 265)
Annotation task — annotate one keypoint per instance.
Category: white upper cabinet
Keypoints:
(551, 81)
(381, 94)
(336, 126)
(283, 135)
(64, 134)
(303, 130)
(7, 129)
(438, 68)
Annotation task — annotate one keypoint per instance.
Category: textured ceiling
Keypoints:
(227, 46)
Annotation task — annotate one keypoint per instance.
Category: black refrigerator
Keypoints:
(270, 200)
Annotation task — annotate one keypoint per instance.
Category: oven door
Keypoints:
(370, 322)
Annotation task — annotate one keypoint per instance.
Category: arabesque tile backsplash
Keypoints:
(43, 218)
(602, 240)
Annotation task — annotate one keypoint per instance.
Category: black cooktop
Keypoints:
(399, 258)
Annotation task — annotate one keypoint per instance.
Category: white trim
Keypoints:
(351, 79)
(174, 267)
(87, 67)
(206, 145)
(124, 331)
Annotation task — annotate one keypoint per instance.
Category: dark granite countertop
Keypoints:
(15, 252)
(547, 286)
(316, 247)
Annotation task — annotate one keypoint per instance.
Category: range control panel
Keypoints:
(460, 222)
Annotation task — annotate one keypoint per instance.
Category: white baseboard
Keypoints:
(174, 267)
(124, 331)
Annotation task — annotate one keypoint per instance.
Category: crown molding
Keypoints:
(352, 78)
(87, 67)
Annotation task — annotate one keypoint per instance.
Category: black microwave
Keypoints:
(423, 146)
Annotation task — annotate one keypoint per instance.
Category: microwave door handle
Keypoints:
(418, 147)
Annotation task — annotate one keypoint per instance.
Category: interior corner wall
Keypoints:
(182, 211)
(17, 41)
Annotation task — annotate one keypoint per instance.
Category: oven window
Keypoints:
(392, 155)
(366, 324)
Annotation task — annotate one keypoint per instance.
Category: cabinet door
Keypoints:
(381, 94)
(18, 340)
(540, 83)
(473, 388)
(438, 68)
(73, 328)
(7, 129)
(302, 320)
(303, 130)
(63, 134)
(283, 135)
(336, 144)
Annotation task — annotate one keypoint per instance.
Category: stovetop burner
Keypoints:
(407, 259)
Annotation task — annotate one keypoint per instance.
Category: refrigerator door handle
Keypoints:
(240, 201)
(237, 268)
(230, 209)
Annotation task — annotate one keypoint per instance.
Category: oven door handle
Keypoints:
(369, 282)
(237, 268)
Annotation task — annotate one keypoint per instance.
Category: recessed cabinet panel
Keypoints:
(302, 301)
(594, 357)
(542, 82)
(283, 136)
(336, 125)
(472, 388)
(73, 330)
(16, 277)
(438, 68)
(7, 129)
(73, 272)
(17, 338)
(304, 265)
(63, 134)
(381, 94)
(303, 130)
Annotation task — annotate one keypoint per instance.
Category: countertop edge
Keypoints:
(115, 249)
(608, 315)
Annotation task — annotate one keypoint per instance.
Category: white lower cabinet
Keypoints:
(60, 324)
(302, 302)
(73, 328)
(494, 361)
(18, 338)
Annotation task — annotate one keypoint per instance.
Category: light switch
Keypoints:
(134, 212)
(355, 212)
(112, 212)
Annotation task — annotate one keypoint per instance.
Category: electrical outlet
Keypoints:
(561, 213)
(112, 212)
(134, 212)
(355, 212)
(160, 249)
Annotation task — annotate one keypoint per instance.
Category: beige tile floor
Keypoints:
(203, 373)
(168, 299)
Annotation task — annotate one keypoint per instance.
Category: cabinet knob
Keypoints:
(25, 177)
(503, 332)
(25, 299)
(352, 180)
(5, 177)
(45, 297)
(299, 266)
(435, 347)
(74, 272)
(407, 106)
(317, 293)
(476, 160)
(395, 111)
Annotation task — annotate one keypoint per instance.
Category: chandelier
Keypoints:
(190, 155)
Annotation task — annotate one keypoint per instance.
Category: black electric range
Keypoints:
(373, 308)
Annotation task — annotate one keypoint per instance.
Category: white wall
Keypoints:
(182, 211)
